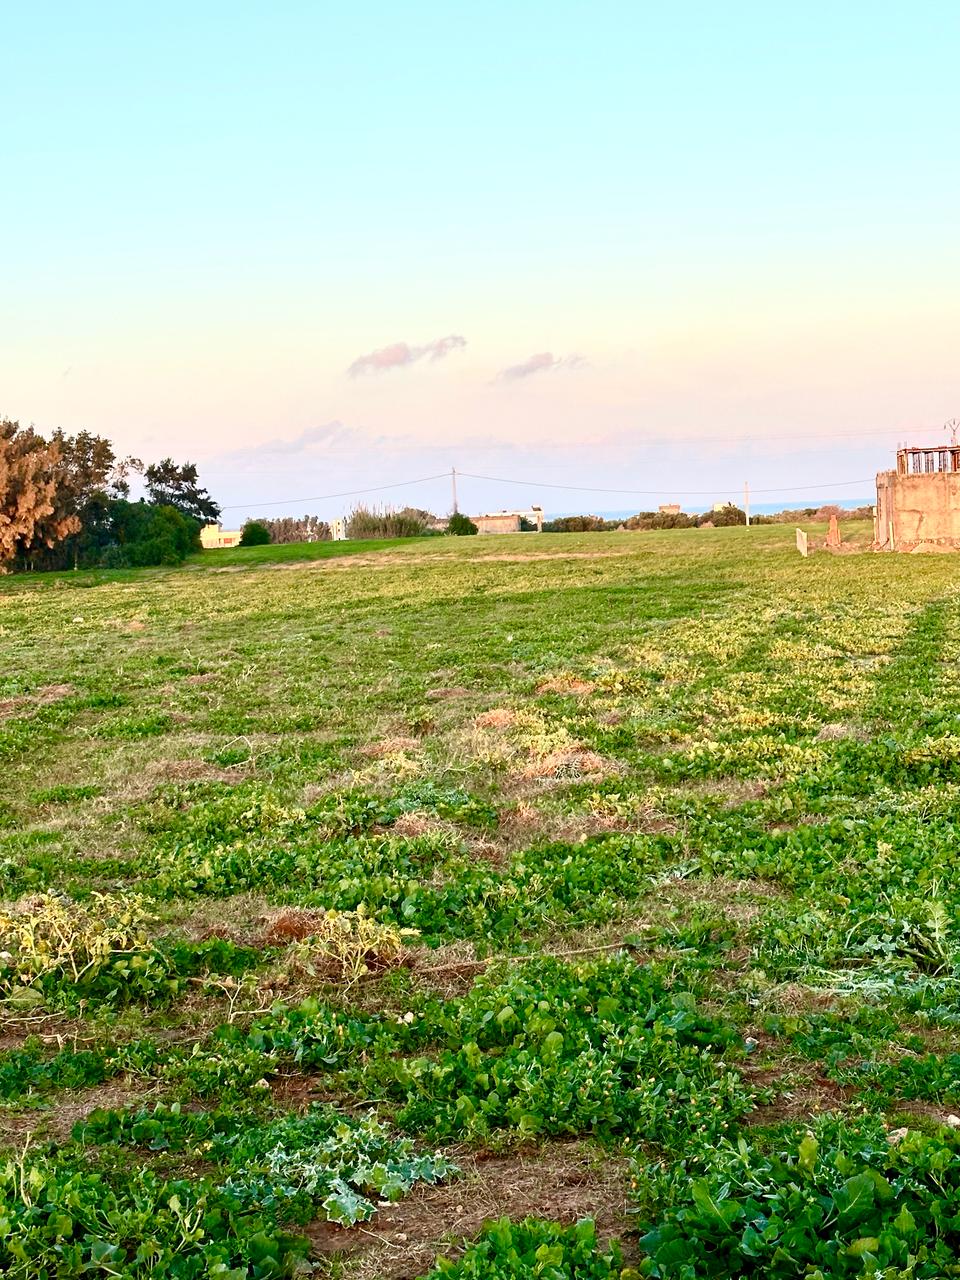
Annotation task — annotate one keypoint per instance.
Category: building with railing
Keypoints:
(918, 504)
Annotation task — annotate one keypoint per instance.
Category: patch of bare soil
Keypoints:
(798, 1101)
(929, 1111)
(566, 684)
(563, 1182)
(42, 698)
(202, 677)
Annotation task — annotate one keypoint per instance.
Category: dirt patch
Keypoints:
(563, 1182)
(202, 677)
(798, 1101)
(56, 1122)
(928, 1111)
(42, 698)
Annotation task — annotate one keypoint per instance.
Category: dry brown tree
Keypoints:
(28, 493)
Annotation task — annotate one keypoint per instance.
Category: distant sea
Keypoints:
(756, 508)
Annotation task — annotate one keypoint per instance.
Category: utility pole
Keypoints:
(453, 481)
(746, 500)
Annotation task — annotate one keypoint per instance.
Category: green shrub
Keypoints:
(254, 534)
(460, 525)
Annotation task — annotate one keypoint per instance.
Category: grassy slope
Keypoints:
(758, 751)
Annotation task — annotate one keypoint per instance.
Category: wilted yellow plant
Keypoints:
(52, 934)
(347, 943)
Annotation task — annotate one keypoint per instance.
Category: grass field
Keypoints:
(354, 897)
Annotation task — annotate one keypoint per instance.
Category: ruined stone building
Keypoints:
(918, 505)
(508, 521)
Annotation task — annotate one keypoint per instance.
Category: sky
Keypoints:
(319, 247)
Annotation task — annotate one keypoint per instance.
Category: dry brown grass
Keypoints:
(54, 1123)
(567, 764)
(496, 718)
(566, 684)
(837, 732)
(389, 747)
(29, 701)
(735, 898)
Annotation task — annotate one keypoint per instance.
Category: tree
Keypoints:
(171, 486)
(254, 534)
(460, 525)
(88, 476)
(28, 490)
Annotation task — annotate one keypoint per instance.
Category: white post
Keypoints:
(746, 500)
(453, 481)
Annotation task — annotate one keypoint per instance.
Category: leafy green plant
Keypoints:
(517, 1250)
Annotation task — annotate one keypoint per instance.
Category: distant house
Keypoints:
(338, 529)
(508, 521)
(669, 508)
(214, 537)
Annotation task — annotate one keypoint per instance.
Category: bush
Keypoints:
(726, 516)
(460, 525)
(254, 534)
(364, 523)
(141, 534)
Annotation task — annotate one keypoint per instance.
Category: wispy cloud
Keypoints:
(542, 362)
(399, 354)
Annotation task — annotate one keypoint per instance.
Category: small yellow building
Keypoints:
(213, 537)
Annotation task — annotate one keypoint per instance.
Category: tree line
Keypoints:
(65, 504)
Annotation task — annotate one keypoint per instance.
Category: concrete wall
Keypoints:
(497, 524)
(917, 509)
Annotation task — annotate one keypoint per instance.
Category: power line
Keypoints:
(657, 493)
(348, 493)
(538, 484)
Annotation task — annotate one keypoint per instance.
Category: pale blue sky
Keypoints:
(740, 217)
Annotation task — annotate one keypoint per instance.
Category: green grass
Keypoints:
(665, 828)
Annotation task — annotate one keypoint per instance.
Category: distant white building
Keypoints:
(213, 537)
(338, 529)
